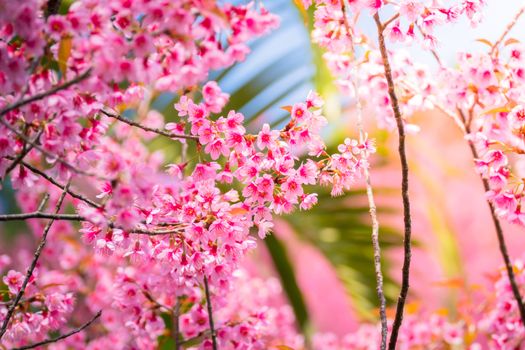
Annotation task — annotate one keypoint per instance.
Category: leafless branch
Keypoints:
(63, 336)
(372, 208)
(41, 215)
(42, 150)
(45, 94)
(210, 314)
(141, 231)
(375, 230)
(176, 325)
(74, 217)
(497, 225)
(390, 20)
(508, 29)
(146, 128)
(57, 184)
(25, 151)
(43, 202)
(31, 268)
(404, 188)
(432, 51)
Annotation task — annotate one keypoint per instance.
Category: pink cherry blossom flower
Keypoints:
(217, 148)
(308, 201)
(58, 26)
(300, 112)
(264, 228)
(411, 9)
(214, 98)
(266, 137)
(143, 45)
(13, 280)
(106, 190)
(396, 34)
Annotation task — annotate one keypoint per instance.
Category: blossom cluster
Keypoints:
(482, 92)
(485, 88)
(356, 63)
(50, 297)
(188, 222)
(335, 21)
(157, 242)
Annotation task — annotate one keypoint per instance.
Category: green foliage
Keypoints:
(284, 268)
(340, 228)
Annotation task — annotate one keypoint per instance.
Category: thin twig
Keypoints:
(42, 150)
(388, 21)
(499, 230)
(141, 231)
(146, 128)
(375, 230)
(176, 326)
(43, 202)
(25, 151)
(404, 188)
(432, 51)
(54, 182)
(373, 214)
(23, 300)
(508, 29)
(22, 154)
(31, 268)
(74, 217)
(12, 217)
(45, 94)
(63, 336)
(210, 314)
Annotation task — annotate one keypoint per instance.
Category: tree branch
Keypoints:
(42, 150)
(43, 202)
(210, 314)
(375, 230)
(176, 324)
(63, 336)
(41, 215)
(141, 231)
(146, 128)
(22, 154)
(432, 51)
(45, 94)
(371, 206)
(54, 182)
(499, 230)
(404, 188)
(73, 217)
(388, 21)
(508, 29)
(31, 268)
